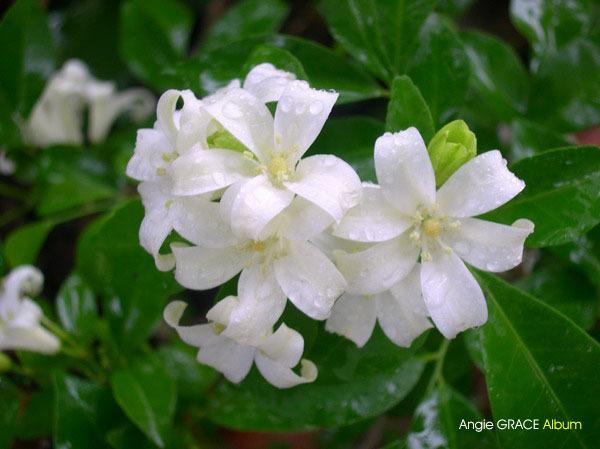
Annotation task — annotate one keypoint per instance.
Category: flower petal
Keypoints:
(157, 223)
(200, 268)
(373, 219)
(329, 182)
(204, 171)
(245, 117)
(261, 303)
(283, 377)
(165, 112)
(284, 346)
(300, 116)
(379, 267)
(353, 317)
(147, 162)
(228, 357)
(197, 335)
(401, 311)
(489, 246)
(481, 185)
(301, 220)
(404, 170)
(453, 298)
(257, 202)
(36, 339)
(309, 279)
(266, 82)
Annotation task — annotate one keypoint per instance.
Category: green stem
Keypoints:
(437, 376)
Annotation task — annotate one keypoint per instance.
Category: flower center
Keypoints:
(278, 169)
(432, 227)
(259, 246)
(218, 328)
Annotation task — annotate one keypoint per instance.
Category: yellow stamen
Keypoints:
(432, 227)
(218, 328)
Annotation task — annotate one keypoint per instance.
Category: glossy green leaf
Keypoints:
(76, 307)
(128, 437)
(280, 58)
(26, 42)
(353, 384)
(245, 19)
(111, 259)
(499, 81)
(154, 35)
(23, 245)
(438, 419)
(381, 35)
(353, 140)
(560, 196)
(83, 412)
(440, 69)
(146, 392)
(453, 7)
(538, 364)
(9, 404)
(408, 108)
(34, 421)
(584, 252)
(529, 138)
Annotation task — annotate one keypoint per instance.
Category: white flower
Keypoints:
(275, 354)
(408, 218)
(20, 327)
(280, 263)
(7, 166)
(57, 117)
(272, 172)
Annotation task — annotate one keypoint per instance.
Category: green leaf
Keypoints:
(529, 138)
(499, 80)
(26, 42)
(83, 412)
(583, 252)
(154, 35)
(560, 196)
(23, 245)
(146, 392)
(381, 35)
(111, 259)
(245, 19)
(353, 384)
(454, 8)
(280, 58)
(408, 108)
(563, 287)
(35, 421)
(128, 437)
(352, 139)
(538, 364)
(440, 69)
(76, 307)
(9, 404)
(438, 419)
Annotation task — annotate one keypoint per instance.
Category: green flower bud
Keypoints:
(224, 139)
(5, 363)
(451, 147)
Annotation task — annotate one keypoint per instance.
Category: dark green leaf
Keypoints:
(538, 364)
(528, 138)
(408, 108)
(83, 413)
(454, 7)
(146, 392)
(23, 245)
(560, 197)
(440, 68)
(9, 404)
(76, 307)
(154, 35)
(26, 42)
(438, 419)
(499, 80)
(128, 437)
(111, 259)
(353, 384)
(583, 252)
(36, 419)
(245, 19)
(352, 139)
(280, 58)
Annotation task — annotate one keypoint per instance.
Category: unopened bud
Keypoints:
(451, 147)
(225, 140)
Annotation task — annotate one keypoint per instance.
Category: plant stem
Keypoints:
(437, 376)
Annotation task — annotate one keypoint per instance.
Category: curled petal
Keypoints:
(281, 376)
(35, 339)
(479, 186)
(197, 335)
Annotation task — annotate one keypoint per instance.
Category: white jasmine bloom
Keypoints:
(20, 327)
(275, 354)
(266, 82)
(408, 218)
(57, 117)
(272, 172)
(7, 166)
(280, 263)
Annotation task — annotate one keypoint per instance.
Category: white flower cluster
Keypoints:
(57, 117)
(230, 178)
(20, 327)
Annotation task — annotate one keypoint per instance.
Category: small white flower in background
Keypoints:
(275, 354)
(408, 218)
(7, 166)
(57, 117)
(269, 175)
(20, 327)
(280, 263)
